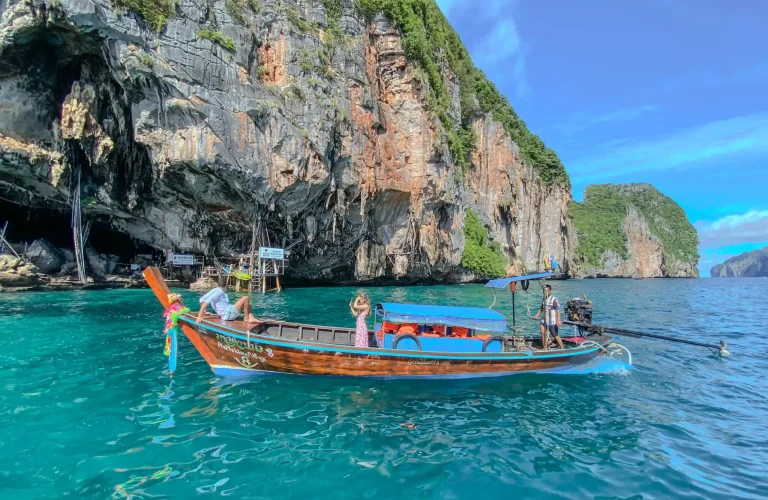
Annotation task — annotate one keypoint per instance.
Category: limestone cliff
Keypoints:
(631, 230)
(187, 124)
(752, 264)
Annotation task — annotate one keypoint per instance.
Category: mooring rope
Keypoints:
(77, 232)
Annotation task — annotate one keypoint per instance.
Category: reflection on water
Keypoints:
(90, 411)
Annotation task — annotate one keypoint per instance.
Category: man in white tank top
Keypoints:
(551, 322)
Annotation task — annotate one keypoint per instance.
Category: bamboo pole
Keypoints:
(9, 246)
(263, 278)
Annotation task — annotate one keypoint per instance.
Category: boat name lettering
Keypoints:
(239, 343)
(235, 350)
(427, 362)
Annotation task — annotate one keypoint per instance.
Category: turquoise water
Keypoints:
(88, 411)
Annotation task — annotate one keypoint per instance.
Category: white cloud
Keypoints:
(689, 147)
(749, 227)
(580, 121)
(499, 43)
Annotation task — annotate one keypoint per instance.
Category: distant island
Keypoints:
(752, 264)
(631, 230)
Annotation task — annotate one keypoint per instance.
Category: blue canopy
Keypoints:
(502, 282)
(474, 318)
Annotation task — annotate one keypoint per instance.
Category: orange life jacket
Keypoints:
(459, 331)
(408, 328)
(388, 327)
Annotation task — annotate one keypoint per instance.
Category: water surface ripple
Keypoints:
(88, 410)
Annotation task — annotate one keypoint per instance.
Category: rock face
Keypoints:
(45, 256)
(321, 136)
(203, 285)
(752, 264)
(16, 273)
(632, 230)
(101, 265)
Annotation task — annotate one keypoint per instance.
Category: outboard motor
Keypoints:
(580, 311)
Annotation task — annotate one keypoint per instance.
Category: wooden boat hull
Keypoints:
(231, 353)
(235, 348)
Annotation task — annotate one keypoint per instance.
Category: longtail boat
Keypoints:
(480, 345)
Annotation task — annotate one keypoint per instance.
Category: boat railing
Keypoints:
(590, 344)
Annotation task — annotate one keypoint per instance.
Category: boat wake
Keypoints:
(601, 365)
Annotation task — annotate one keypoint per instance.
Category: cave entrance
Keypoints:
(104, 239)
(27, 224)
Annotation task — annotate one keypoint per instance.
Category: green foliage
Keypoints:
(342, 116)
(532, 148)
(296, 20)
(368, 8)
(261, 72)
(334, 9)
(334, 35)
(598, 222)
(479, 256)
(296, 92)
(154, 12)
(429, 39)
(667, 220)
(508, 201)
(237, 10)
(305, 62)
(147, 60)
(217, 38)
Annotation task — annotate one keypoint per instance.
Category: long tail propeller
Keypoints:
(716, 349)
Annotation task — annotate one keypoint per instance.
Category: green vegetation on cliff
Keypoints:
(238, 10)
(480, 256)
(598, 222)
(428, 39)
(154, 12)
(217, 38)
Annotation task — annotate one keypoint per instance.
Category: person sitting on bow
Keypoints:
(217, 298)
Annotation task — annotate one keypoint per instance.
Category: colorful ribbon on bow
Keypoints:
(172, 314)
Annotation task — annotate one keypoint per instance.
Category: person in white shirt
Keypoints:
(552, 321)
(217, 298)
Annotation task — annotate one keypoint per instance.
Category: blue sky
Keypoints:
(674, 93)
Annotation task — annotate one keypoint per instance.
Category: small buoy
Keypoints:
(723, 353)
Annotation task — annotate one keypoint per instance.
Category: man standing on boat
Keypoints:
(217, 298)
(551, 322)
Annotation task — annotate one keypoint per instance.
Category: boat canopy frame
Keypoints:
(503, 282)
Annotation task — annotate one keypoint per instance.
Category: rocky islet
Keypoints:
(752, 264)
